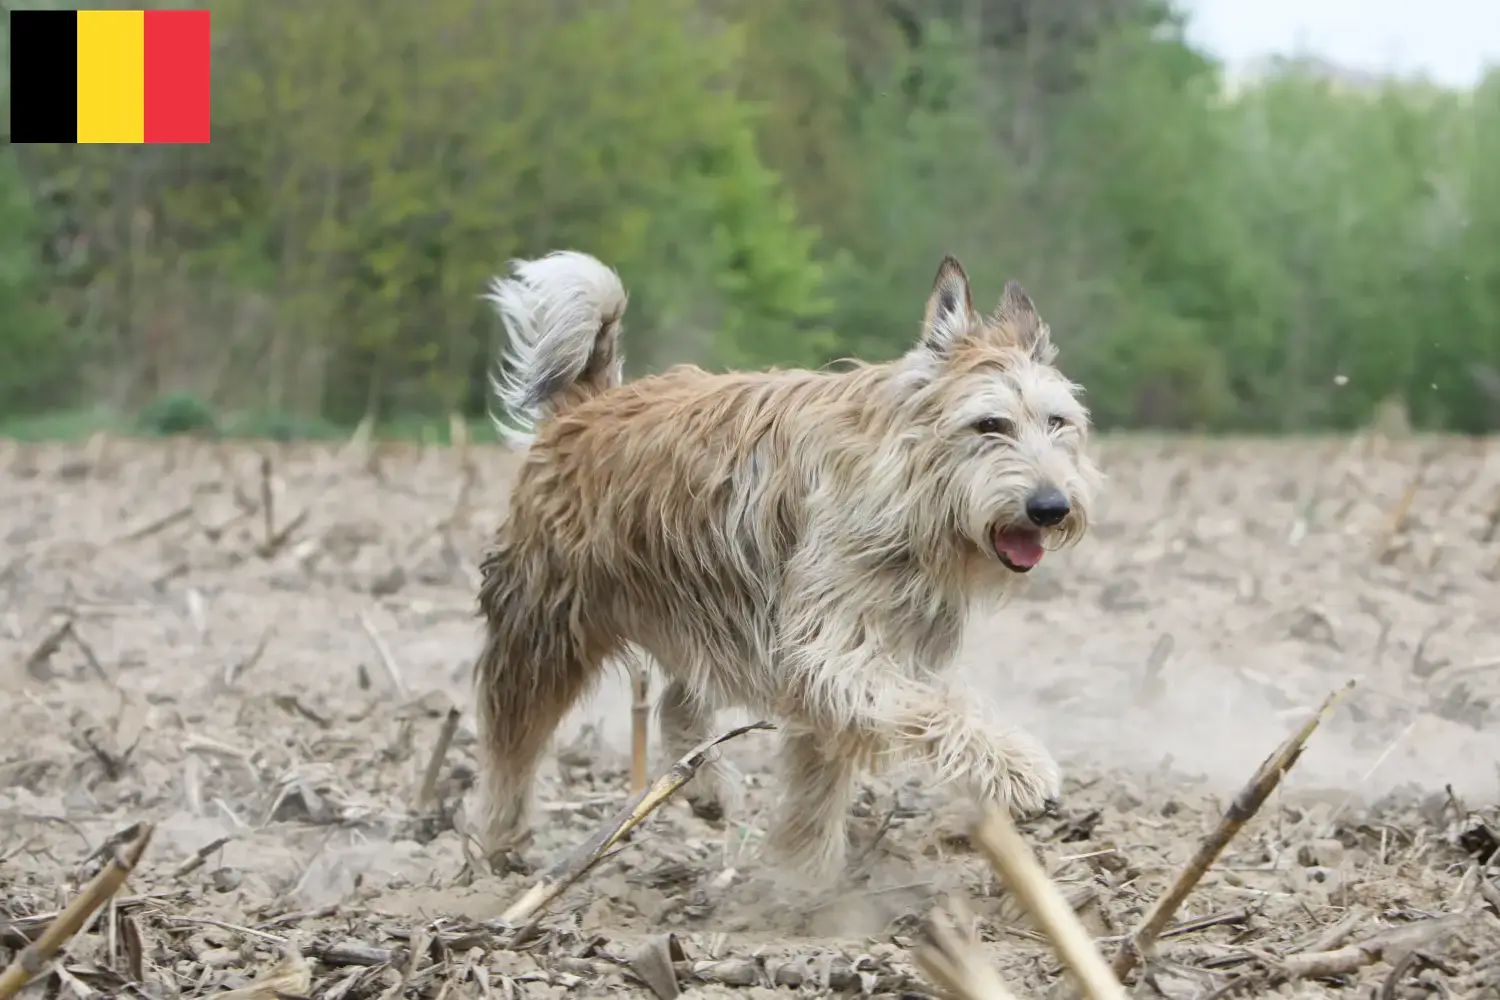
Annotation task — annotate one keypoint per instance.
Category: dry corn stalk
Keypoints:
(1011, 857)
(35, 956)
(952, 958)
(1245, 805)
(640, 719)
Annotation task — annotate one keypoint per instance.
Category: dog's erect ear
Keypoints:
(950, 309)
(1018, 318)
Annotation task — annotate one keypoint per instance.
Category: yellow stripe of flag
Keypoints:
(111, 76)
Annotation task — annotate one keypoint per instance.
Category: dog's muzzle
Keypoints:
(1047, 507)
(1019, 547)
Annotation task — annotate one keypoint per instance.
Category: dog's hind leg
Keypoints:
(526, 679)
(685, 720)
(810, 827)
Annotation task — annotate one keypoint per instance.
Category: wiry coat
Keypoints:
(803, 544)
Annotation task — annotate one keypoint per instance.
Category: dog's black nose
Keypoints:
(1047, 507)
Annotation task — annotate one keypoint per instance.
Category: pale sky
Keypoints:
(1450, 41)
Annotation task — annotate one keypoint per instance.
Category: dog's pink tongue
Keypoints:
(1023, 548)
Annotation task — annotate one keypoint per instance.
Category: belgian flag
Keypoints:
(112, 76)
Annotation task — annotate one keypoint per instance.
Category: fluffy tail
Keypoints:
(562, 316)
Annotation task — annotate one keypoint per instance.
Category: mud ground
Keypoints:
(267, 688)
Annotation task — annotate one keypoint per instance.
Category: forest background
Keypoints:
(776, 181)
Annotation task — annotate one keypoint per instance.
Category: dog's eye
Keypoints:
(1057, 423)
(994, 425)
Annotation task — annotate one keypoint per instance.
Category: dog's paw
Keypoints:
(508, 862)
(715, 792)
(1029, 781)
(1032, 796)
(706, 807)
(505, 843)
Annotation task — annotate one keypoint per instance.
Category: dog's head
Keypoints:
(1006, 434)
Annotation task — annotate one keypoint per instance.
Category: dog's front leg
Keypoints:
(1007, 767)
(884, 708)
(808, 832)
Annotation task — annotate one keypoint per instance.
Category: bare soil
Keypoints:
(268, 693)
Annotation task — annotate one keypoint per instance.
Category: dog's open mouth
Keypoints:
(1019, 549)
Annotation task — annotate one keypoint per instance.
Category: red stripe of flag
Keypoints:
(177, 78)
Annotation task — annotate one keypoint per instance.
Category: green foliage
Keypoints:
(929, 159)
(776, 181)
(59, 425)
(178, 413)
(36, 356)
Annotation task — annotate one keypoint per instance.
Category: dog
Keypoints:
(803, 544)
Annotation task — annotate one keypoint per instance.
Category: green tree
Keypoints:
(776, 181)
(37, 355)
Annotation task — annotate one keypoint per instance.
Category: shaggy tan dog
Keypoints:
(805, 544)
